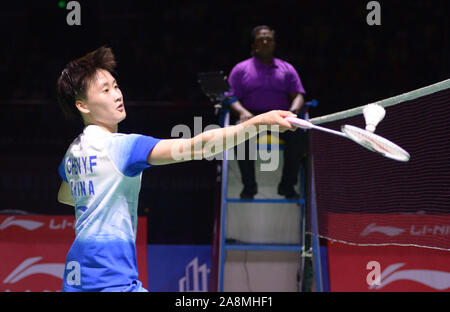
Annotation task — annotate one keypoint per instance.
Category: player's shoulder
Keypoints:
(284, 64)
(93, 138)
(125, 141)
(96, 137)
(243, 64)
(75, 145)
(115, 137)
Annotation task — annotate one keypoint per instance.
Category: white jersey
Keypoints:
(104, 172)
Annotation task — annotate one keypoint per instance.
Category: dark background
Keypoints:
(160, 47)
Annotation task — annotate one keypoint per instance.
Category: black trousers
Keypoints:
(295, 149)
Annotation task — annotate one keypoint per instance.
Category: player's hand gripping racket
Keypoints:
(369, 140)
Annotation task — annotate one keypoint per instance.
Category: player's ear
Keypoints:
(82, 107)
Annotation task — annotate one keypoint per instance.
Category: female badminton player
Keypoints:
(102, 171)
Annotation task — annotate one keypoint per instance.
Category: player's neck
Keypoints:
(268, 60)
(105, 127)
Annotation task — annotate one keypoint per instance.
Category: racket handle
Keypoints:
(301, 123)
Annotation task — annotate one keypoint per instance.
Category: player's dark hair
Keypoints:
(76, 77)
(258, 28)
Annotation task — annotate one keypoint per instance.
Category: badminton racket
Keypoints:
(367, 139)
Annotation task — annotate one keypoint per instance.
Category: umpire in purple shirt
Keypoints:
(263, 83)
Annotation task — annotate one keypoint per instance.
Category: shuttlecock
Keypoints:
(373, 114)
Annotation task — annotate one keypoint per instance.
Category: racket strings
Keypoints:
(375, 143)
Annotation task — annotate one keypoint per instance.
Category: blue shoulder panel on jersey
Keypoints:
(137, 161)
(130, 152)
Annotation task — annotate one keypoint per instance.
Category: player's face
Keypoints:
(264, 44)
(104, 99)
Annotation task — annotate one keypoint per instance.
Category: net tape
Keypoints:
(385, 103)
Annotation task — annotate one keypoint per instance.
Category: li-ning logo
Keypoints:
(196, 278)
(26, 224)
(438, 280)
(28, 267)
(387, 230)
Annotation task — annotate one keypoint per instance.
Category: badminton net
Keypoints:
(363, 198)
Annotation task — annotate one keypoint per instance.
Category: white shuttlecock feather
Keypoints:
(373, 114)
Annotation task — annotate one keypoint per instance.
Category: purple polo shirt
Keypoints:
(261, 87)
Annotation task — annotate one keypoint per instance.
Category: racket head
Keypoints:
(375, 143)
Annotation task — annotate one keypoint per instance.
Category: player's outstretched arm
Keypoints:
(215, 141)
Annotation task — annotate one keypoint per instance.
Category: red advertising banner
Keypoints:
(33, 251)
(413, 229)
(391, 268)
